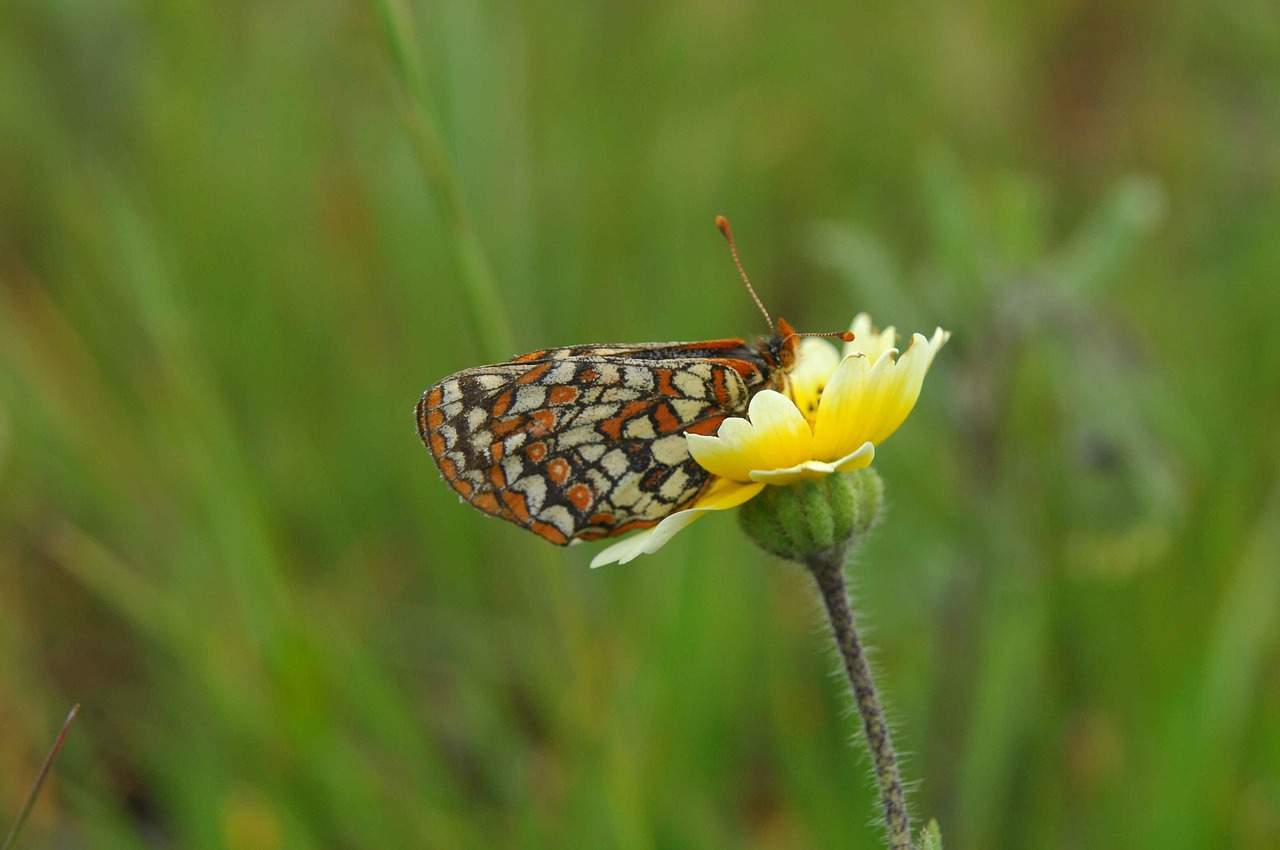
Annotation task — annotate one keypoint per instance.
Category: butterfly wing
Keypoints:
(586, 442)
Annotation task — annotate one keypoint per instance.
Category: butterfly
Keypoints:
(588, 441)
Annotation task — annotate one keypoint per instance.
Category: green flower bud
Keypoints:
(825, 515)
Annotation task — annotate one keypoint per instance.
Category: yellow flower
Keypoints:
(835, 410)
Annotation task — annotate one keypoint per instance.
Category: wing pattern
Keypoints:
(587, 442)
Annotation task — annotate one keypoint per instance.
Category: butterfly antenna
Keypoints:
(723, 224)
(843, 336)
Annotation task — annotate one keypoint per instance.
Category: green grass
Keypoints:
(238, 240)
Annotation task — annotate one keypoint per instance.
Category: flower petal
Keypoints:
(777, 435)
(868, 402)
(721, 495)
(869, 341)
(839, 416)
(783, 436)
(856, 459)
(818, 359)
(814, 469)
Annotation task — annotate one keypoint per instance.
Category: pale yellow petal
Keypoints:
(862, 329)
(818, 359)
(777, 435)
(937, 340)
(900, 388)
(869, 341)
(725, 454)
(645, 542)
(814, 469)
(867, 403)
(840, 415)
(783, 436)
(856, 459)
(721, 495)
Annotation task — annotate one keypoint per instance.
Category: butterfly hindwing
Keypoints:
(586, 442)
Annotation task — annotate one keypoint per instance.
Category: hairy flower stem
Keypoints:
(828, 570)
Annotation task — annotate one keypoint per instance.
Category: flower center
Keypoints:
(810, 408)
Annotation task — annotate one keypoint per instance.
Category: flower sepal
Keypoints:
(815, 517)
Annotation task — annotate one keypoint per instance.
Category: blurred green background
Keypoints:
(238, 240)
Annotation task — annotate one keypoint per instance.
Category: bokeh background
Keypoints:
(238, 240)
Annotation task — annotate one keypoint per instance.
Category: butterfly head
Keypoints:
(779, 350)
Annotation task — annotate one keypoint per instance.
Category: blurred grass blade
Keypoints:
(109, 578)
(867, 266)
(953, 219)
(1098, 251)
(40, 778)
(1247, 625)
(488, 314)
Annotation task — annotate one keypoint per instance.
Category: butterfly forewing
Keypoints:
(586, 442)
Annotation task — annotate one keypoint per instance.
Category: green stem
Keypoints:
(828, 570)
(488, 315)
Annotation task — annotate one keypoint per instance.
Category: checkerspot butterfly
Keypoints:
(587, 441)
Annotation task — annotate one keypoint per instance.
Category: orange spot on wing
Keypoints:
(664, 383)
(632, 408)
(547, 531)
(612, 427)
(558, 470)
(517, 505)
(463, 487)
(580, 496)
(666, 419)
(497, 450)
(496, 477)
(534, 375)
(546, 419)
(447, 468)
(502, 403)
(601, 519)
(437, 444)
(746, 368)
(718, 387)
(488, 503)
(562, 394)
(504, 427)
(588, 375)
(434, 396)
(706, 427)
(536, 452)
